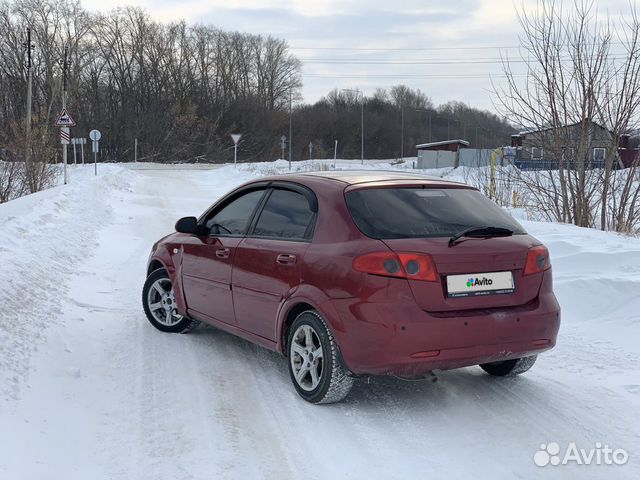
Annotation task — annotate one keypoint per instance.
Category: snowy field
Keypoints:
(90, 390)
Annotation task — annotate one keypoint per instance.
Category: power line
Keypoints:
(434, 59)
(345, 61)
(417, 49)
(409, 75)
(366, 49)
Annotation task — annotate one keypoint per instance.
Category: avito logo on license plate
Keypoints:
(474, 284)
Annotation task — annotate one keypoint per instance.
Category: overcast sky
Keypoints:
(449, 50)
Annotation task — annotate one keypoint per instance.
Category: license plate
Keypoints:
(474, 284)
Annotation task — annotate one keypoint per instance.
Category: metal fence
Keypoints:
(475, 157)
(436, 159)
(481, 157)
(540, 165)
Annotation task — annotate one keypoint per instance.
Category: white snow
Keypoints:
(90, 390)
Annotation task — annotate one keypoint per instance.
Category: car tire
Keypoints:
(509, 368)
(312, 348)
(158, 302)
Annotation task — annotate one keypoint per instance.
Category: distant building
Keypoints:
(445, 145)
(533, 147)
(440, 154)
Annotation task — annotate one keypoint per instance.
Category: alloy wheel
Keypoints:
(306, 356)
(161, 301)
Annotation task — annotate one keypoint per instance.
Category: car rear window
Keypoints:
(387, 213)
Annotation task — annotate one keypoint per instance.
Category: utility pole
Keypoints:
(358, 92)
(362, 132)
(290, 126)
(65, 65)
(402, 131)
(425, 111)
(27, 158)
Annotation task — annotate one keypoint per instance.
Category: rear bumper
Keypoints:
(401, 339)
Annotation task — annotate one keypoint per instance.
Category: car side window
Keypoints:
(286, 215)
(234, 218)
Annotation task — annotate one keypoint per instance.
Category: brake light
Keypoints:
(413, 266)
(537, 260)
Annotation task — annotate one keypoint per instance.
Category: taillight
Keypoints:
(537, 260)
(379, 263)
(413, 266)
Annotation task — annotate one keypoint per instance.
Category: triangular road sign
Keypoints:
(65, 119)
(235, 137)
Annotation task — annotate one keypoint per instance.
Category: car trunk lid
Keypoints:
(471, 256)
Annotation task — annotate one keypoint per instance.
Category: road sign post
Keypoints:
(64, 121)
(236, 138)
(283, 144)
(95, 136)
(64, 141)
(64, 160)
(81, 142)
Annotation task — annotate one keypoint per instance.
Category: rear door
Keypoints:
(267, 262)
(208, 257)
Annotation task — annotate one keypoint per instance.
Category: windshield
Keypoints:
(387, 213)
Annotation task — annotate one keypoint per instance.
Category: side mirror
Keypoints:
(187, 225)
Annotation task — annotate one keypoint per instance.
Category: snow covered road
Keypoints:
(91, 391)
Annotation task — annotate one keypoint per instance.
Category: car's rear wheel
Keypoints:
(315, 365)
(159, 303)
(509, 367)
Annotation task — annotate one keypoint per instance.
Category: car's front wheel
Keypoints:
(509, 367)
(159, 303)
(314, 361)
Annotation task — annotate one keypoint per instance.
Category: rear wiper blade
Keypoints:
(480, 232)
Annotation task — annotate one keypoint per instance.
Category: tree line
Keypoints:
(181, 90)
(395, 121)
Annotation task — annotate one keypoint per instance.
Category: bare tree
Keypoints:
(11, 185)
(179, 90)
(579, 91)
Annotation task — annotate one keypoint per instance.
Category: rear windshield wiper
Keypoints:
(480, 232)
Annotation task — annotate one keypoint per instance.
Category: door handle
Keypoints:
(286, 259)
(223, 252)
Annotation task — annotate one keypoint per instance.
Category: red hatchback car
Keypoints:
(357, 273)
